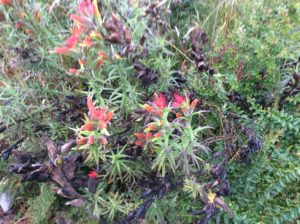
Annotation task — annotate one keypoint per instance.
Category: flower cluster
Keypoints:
(25, 21)
(159, 111)
(94, 130)
(84, 35)
(5, 2)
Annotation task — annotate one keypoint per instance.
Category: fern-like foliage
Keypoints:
(279, 186)
(40, 206)
(289, 216)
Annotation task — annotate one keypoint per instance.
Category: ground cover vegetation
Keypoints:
(173, 111)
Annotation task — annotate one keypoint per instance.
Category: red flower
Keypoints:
(77, 31)
(99, 63)
(91, 140)
(71, 41)
(96, 114)
(85, 14)
(85, 7)
(5, 2)
(178, 100)
(157, 106)
(143, 138)
(89, 9)
(99, 114)
(160, 101)
(105, 121)
(102, 56)
(70, 44)
(93, 174)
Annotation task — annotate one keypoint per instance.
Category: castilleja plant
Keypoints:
(29, 22)
(92, 136)
(84, 44)
(171, 136)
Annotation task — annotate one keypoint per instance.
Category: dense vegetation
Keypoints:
(173, 111)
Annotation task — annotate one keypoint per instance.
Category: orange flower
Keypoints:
(143, 138)
(81, 63)
(149, 108)
(152, 110)
(194, 103)
(109, 116)
(178, 115)
(96, 114)
(70, 43)
(157, 135)
(184, 110)
(99, 114)
(151, 127)
(88, 127)
(102, 56)
(82, 141)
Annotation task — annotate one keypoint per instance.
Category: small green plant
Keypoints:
(92, 136)
(41, 205)
(171, 136)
